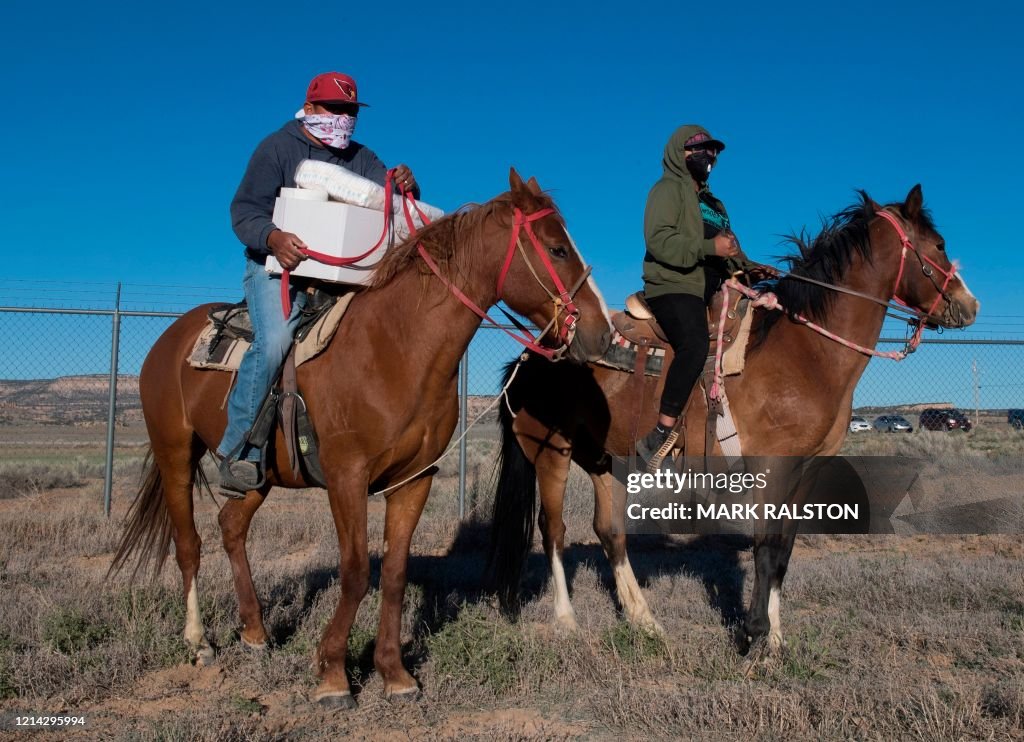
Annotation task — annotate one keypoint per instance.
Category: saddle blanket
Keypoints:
(226, 354)
(621, 354)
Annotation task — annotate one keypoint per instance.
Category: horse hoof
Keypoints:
(205, 657)
(566, 624)
(409, 695)
(343, 701)
(260, 648)
(648, 625)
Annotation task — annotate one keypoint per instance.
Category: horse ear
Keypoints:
(915, 201)
(869, 202)
(533, 186)
(514, 181)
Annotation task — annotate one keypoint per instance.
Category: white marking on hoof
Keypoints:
(261, 647)
(775, 641)
(205, 656)
(634, 604)
(565, 616)
(194, 634)
(405, 694)
(567, 623)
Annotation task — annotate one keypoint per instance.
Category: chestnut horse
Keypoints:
(383, 400)
(793, 399)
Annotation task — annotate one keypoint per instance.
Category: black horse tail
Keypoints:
(515, 499)
(147, 531)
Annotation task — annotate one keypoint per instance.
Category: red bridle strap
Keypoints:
(526, 339)
(562, 302)
(336, 261)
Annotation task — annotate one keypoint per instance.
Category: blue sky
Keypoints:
(127, 132)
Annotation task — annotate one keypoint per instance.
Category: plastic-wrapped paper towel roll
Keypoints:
(343, 185)
(304, 194)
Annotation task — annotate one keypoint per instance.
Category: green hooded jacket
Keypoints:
(674, 228)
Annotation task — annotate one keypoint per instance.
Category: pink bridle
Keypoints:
(926, 267)
(562, 302)
(770, 301)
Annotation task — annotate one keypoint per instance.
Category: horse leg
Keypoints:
(348, 506)
(609, 525)
(771, 560)
(234, 519)
(552, 464)
(177, 462)
(402, 513)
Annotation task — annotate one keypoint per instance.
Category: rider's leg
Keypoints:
(683, 318)
(272, 337)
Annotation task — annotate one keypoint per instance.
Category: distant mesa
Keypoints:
(68, 400)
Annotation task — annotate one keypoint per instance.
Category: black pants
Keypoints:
(684, 319)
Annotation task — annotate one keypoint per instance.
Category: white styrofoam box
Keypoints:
(303, 193)
(332, 228)
(344, 185)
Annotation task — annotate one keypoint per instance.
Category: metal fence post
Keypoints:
(115, 340)
(463, 414)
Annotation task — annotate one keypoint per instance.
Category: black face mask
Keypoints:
(699, 164)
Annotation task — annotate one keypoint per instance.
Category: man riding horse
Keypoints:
(322, 130)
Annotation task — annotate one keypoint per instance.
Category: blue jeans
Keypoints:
(272, 337)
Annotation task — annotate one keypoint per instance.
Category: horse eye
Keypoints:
(941, 247)
(558, 251)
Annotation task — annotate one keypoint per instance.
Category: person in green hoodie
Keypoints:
(690, 249)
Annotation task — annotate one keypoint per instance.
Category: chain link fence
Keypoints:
(59, 401)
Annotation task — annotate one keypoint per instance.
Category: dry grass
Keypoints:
(888, 637)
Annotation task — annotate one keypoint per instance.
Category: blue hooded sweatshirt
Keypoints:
(273, 167)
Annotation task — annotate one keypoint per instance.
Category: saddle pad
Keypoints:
(735, 357)
(228, 354)
(621, 355)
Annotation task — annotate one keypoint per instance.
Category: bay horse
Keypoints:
(383, 400)
(794, 398)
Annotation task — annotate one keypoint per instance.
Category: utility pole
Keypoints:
(974, 373)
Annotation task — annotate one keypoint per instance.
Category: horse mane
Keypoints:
(452, 241)
(826, 258)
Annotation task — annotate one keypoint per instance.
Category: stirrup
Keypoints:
(234, 488)
(654, 464)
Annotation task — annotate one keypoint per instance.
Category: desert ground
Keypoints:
(918, 637)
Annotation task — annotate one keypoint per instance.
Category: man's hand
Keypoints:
(404, 178)
(726, 245)
(285, 247)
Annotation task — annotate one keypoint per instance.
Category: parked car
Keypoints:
(858, 424)
(892, 424)
(1015, 418)
(944, 419)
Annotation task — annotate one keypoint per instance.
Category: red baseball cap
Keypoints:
(333, 87)
(703, 139)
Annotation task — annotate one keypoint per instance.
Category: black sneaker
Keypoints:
(239, 477)
(647, 448)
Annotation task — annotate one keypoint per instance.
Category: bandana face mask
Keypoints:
(333, 130)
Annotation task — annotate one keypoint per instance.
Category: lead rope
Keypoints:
(340, 262)
(503, 394)
(770, 301)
